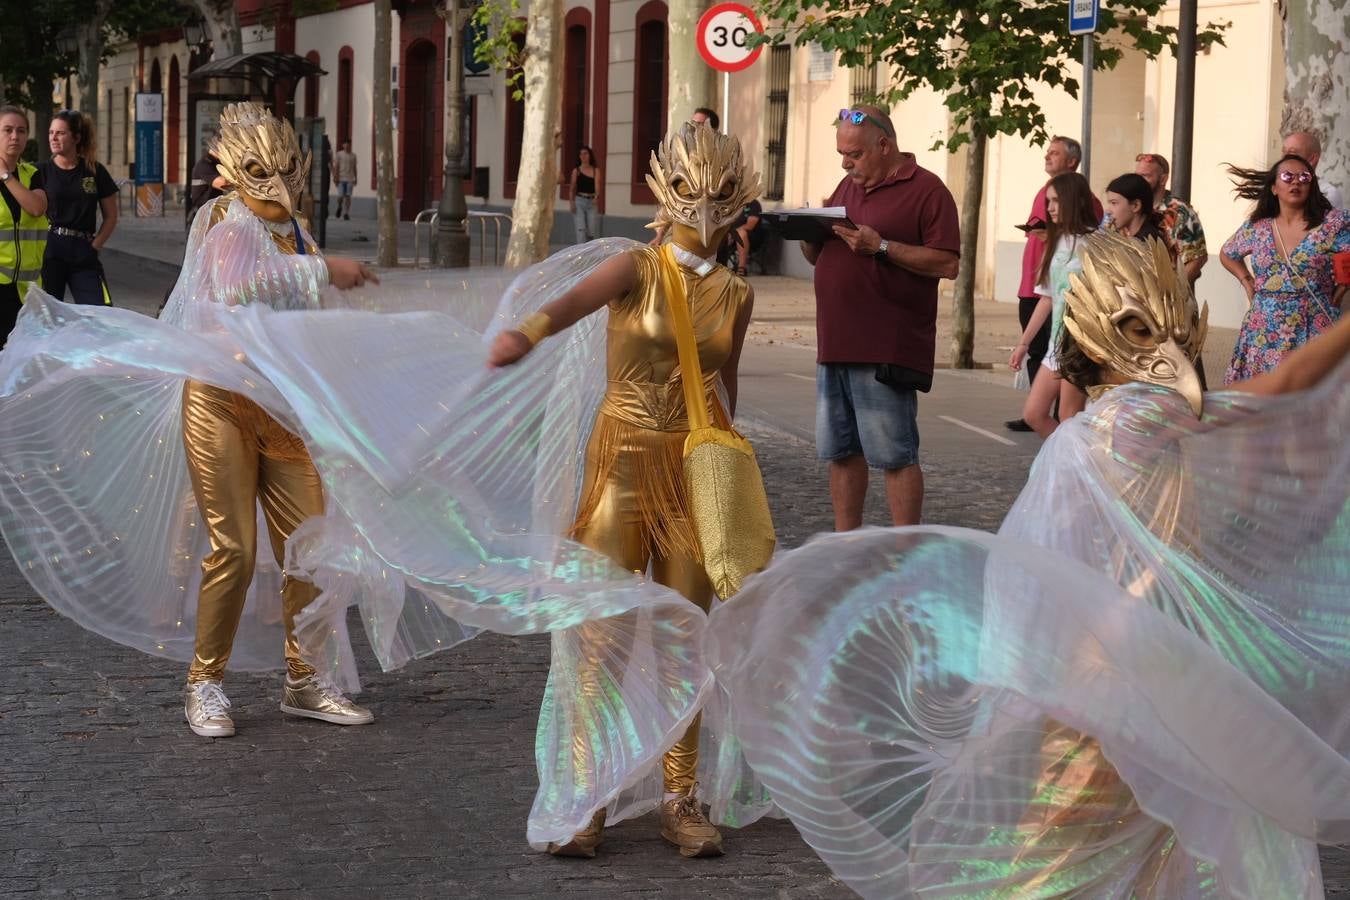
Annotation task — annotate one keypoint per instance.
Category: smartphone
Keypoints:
(1033, 225)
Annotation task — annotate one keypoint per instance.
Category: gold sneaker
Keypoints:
(204, 706)
(685, 826)
(315, 699)
(584, 843)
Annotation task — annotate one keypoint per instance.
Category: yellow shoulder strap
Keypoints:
(691, 373)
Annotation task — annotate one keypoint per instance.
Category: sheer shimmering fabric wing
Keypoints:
(97, 506)
(451, 489)
(898, 692)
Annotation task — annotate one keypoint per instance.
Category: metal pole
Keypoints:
(451, 247)
(1087, 105)
(1183, 120)
(726, 102)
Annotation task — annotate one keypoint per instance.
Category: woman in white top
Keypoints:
(1068, 201)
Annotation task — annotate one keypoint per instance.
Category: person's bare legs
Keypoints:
(1038, 409)
(848, 490)
(1072, 401)
(904, 494)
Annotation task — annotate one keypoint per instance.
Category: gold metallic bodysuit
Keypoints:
(634, 506)
(239, 456)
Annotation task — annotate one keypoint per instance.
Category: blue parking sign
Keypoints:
(1083, 16)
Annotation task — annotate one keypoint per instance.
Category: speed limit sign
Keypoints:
(724, 37)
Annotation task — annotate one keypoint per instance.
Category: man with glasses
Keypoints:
(1179, 220)
(1062, 156)
(876, 315)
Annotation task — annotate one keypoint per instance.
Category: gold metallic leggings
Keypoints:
(230, 475)
(616, 529)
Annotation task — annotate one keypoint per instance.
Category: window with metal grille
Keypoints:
(775, 122)
(862, 84)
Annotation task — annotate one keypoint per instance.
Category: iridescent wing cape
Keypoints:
(1136, 689)
(448, 492)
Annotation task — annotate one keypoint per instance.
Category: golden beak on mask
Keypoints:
(703, 209)
(1185, 380)
(283, 193)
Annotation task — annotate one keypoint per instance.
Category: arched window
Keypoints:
(576, 78)
(173, 122)
(649, 94)
(344, 97)
(312, 88)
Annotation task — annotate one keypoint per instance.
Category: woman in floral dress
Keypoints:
(1290, 237)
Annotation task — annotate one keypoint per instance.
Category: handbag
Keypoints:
(727, 502)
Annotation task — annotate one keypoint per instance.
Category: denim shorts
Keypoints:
(856, 414)
(345, 188)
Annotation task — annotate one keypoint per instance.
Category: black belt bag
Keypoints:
(902, 378)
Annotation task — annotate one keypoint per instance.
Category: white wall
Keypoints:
(327, 34)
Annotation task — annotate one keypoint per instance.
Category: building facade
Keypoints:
(782, 108)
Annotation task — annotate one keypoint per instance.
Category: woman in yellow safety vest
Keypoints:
(23, 217)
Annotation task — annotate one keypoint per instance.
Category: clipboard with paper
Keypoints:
(813, 224)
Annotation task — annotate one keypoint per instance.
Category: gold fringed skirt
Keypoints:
(646, 469)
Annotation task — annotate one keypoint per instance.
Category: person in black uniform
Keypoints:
(78, 187)
(207, 182)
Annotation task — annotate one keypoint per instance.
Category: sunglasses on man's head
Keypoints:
(857, 117)
(1300, 177)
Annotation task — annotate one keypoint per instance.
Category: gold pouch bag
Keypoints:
(726, 491)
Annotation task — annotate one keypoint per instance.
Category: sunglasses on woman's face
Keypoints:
(1300, 177)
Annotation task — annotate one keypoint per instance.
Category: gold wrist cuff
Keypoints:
(536, 326)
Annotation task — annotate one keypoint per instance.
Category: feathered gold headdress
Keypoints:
(259, 155)
(701, 180)
(1125, 279)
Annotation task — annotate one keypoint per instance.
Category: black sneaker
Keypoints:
(1017, 425)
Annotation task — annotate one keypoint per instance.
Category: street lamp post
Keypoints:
(452, 235)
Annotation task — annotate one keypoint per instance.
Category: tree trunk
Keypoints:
(963, 296)
(89, 38)
(222, 26)
(692, 81)
(452, 236)
(383, 114)
(1317, 81)
(43, 108)
(537, 184)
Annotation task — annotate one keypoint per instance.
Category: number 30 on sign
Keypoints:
(724, 37)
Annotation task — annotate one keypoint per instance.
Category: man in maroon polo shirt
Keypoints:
(876, 315)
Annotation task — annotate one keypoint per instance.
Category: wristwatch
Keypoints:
(4, 176)
(882, 249)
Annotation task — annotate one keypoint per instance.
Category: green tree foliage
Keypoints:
(29, 59)
(985, 56)
(499, 40)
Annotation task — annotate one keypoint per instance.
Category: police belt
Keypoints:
(71, 232)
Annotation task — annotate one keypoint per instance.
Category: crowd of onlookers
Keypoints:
(1282, 255)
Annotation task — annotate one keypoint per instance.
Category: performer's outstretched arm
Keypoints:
(611, 280)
